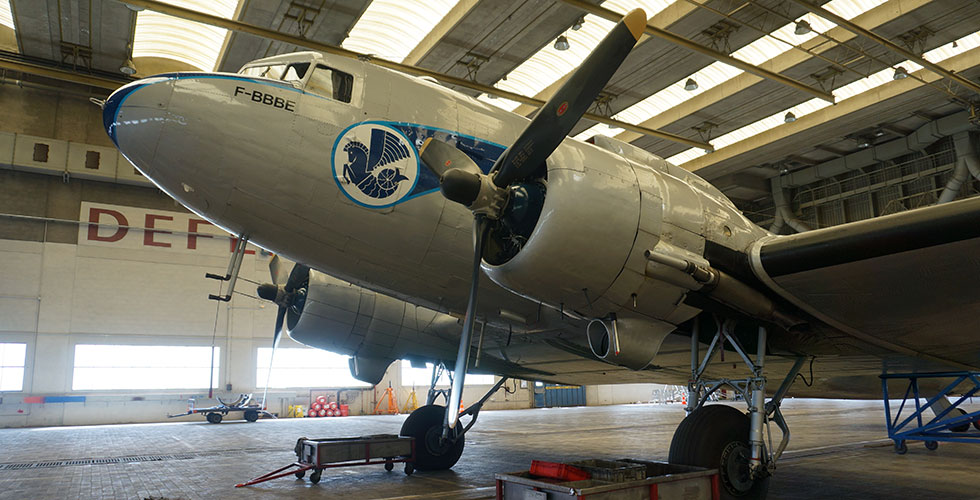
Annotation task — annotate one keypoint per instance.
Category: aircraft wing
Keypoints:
(908, 282)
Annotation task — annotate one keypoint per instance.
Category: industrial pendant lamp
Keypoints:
(561, 43)
(690, 84)
(802, 27)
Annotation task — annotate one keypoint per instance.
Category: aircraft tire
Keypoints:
(425, 425)
(716, 437)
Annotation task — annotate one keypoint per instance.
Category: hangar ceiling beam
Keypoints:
(798, 130)
(854, 28)
(701, 49)
(230, 24)
(877, 16)
(61, 74)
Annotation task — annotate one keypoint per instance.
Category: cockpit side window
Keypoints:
(331, 83)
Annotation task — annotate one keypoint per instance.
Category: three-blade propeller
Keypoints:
(487, 195)
(284, 295)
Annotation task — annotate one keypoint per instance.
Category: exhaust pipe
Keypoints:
(629, 342)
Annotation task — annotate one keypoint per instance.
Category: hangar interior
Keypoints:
(104, 316)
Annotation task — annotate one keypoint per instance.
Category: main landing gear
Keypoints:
(722, 437)
(435, 448)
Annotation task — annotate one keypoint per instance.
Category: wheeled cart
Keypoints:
(320, 454)
(660, 480)
(949, 424)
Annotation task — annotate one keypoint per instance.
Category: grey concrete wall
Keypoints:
(45, 113)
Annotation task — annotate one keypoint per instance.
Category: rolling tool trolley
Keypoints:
(320, 454)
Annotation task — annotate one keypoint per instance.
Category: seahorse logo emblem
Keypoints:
(375, 165)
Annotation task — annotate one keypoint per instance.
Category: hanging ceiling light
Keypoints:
(561, 43)
(900, 73)
(862, 142)
(127, 67)
(790, 117)
(578, 23)
(802, 27)
(690, 84)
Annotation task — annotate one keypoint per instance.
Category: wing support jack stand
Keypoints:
(948, 421)
(720, 436)
(231, 275)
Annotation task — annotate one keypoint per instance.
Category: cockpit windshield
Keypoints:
(324, 80)
(286, 72)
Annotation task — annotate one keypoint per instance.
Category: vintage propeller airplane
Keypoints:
(606, 263)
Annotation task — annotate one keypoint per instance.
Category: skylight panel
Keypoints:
(549, 64)
(199, 45)
(390, 29)
(6, 16)
(842, 93)
(758, 52)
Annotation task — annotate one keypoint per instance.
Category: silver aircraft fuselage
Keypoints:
(303, 174)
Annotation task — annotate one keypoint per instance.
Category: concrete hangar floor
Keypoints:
(838, 451)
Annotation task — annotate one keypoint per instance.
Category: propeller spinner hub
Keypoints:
(474, 191)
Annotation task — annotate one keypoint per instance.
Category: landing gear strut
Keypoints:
(436, 449)
(723, 437)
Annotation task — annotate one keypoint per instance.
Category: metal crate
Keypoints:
(662, 480)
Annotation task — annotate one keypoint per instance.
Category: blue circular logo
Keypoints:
(375, 165)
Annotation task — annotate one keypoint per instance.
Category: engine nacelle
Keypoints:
(584, 235)
(376, 329)
(629, 342)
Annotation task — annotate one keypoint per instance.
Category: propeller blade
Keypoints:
(555, 120)
(275, 344)
(462, 356)
(440, 156)
(275, 269)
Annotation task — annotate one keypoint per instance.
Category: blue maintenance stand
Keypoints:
(951, 424)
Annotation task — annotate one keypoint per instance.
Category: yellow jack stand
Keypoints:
(392, 409)
(412, 403)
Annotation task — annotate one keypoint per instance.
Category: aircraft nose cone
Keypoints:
(110, 110)
(134, 117)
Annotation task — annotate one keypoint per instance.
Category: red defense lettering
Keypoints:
(193, 235)
(150, 224)
(94, 217)
(234, 243)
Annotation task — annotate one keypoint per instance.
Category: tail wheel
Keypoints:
(431, 452)
(717, 437)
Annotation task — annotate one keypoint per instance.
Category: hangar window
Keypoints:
(421, 377)
(12, 358)
(304, 368)
(329, 82)
(6, 17)
(192, 43)
(109, 367)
